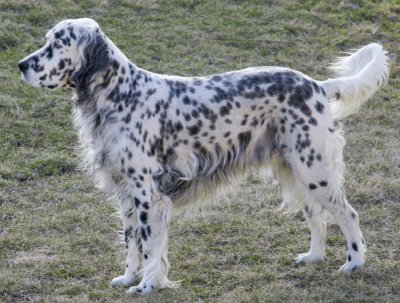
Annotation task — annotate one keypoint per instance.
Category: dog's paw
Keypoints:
(309, 257)
(349, 267)
(141, 289)
(123, 280)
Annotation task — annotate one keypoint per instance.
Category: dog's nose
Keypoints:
(23, 66)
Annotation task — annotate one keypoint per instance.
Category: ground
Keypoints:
(59, 235)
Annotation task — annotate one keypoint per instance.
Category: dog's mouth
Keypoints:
(24, 67)
(24, 77)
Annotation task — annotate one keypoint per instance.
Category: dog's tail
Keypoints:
(360, 75)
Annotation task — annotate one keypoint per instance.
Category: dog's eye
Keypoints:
(57, 44)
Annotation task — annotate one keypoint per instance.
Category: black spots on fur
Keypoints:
(251, 81)
(143, 233)
(310, 160)
(197, 82)
(186, 100)
(254, 122)
(71, 33)
(178, 126)
(319, 157)
(312, 186)
(143, 217)
(177, 88)
(127, 118)
(256, 93)
(316, 87)
(281, 98)
(224, 110)
(52, 86)
(115, 65)
(299, 95)
(48, 52)
(59, 34)
(332, 130)
(128, 233)
(195, 129)
(354, 246)
(221, 95)
(337, 94)
(319, 107)
(61, 64)
(216, 78)
(244, 121)
(131, 171)
(313, 121)
(36, 67)
(63, 37)
(208, 113)
(353, 215)
(197, 145)
(227, 134)
(323, 183)
(195, 114)
(349, 258)
(303, 141)
(42, 78)
(244, 140)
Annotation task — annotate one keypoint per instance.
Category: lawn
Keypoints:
(59, 236)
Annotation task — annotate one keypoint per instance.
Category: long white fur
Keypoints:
(361, 74)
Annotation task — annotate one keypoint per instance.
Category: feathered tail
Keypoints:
(360, 75)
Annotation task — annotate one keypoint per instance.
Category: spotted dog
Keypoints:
(156, 142)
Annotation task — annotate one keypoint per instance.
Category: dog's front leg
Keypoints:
(153, 215)
(133, 246)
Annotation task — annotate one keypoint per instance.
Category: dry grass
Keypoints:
(58, 235)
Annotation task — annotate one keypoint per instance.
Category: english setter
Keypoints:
(156, 142)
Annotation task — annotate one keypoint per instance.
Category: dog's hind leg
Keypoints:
(316, 216)
(321, 180)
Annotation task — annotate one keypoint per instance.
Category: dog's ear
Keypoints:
(93, 58)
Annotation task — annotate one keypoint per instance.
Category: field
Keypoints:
(59, 236)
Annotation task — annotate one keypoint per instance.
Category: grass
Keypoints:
(58, 235)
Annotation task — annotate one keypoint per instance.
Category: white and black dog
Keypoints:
(157, 142)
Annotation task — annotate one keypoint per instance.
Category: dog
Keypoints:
(157, 143)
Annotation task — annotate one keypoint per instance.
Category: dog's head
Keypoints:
(75, 51)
